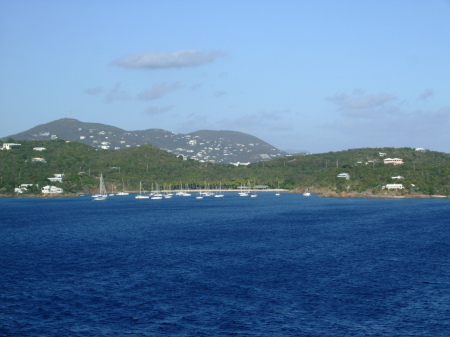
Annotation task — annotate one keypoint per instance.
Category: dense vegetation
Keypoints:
(424, 172)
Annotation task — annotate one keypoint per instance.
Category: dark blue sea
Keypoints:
(233, 266)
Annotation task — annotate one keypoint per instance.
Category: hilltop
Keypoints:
(206, 145)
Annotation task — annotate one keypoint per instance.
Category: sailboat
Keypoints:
(220, 195)
(123, 190)
(141, 196)
(243, 193)
(156, 193)
(168, 194)
(252, 193)
(306, 193)
(102, 195)
(278, 188)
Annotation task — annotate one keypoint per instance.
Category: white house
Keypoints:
(51, 189)
(394, 186)
(39, 148)
(420, 149)
(344, 175)
(38, 160)
(239, 164)
(8, 146)
(22, 188)
(397, 177)
(395, 161)
(58, 177)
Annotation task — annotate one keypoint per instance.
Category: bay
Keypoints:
(283, 265)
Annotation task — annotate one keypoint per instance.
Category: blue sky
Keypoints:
(302, 75)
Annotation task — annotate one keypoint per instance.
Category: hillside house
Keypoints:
(239, 164)
(394, 186)
(51, 190)
(39, 148)
(8, 146)
(344, 175)
(38, 160)
(22, 188)
(58, 177)
(395, 161)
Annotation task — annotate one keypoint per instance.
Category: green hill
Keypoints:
(425, 173)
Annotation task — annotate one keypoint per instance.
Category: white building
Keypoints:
(397, 177)
(395, 161)
(22, 188)
(39, 148)
(58, 177)
(239, 164)
(51, 189)
(8, 146)
(344, 175)
(394, 186)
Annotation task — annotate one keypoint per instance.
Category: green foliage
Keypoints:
(425, 172)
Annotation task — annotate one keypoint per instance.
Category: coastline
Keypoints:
(319, 193)
(368, 195)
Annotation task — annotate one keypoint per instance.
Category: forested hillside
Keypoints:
(425, 172)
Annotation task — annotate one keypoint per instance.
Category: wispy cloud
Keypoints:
(361, 105)
(116, 94)
(426, 94)
(157, 90)
(194, 122)
(94, 91)
(267, 120)
(176, 59)
(375, 120)
(220, 94)
(196, 86)
(153, 110)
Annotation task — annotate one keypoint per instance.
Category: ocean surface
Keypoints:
(283, 265)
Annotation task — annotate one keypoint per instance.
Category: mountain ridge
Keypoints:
(219, 146)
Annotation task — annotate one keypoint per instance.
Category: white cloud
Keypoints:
(115, 94)
(157, 90)
(176, 59)
(373, 120)
(361, 105)
(153, 110)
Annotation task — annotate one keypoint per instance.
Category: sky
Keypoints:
(302, 75)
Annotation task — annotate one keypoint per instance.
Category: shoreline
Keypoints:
(320, 194)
